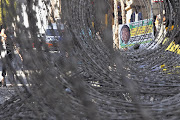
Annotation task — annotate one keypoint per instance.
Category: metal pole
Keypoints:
(151, 9)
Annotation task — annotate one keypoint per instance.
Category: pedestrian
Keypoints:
(3, 55)
(9, 43)
(136, 15)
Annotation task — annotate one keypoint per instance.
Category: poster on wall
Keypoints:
(140, 32)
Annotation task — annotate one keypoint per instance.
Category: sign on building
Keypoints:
(140, 32)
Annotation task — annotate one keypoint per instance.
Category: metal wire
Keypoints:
(86, 79)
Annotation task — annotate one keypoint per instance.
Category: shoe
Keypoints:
(11, 85)
(4, 86)
(0, 84)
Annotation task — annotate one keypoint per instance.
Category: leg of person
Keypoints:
(9, 54)
(3, 81)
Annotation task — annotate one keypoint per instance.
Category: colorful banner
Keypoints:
(140, 32)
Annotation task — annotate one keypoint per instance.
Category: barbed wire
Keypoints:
(86, 78)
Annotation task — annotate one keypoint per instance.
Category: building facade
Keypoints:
(139, 6)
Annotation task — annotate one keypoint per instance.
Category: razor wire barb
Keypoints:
(85, 78)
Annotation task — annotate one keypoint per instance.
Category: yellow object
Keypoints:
(93, 24)
(6, 8)
(162, 65)
(165, 40)
(172, 27)
(177, 66)
(174, 48)
(141, 30)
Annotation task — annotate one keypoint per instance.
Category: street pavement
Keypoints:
(7, 92)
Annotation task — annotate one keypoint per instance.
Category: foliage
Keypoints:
(7, 10)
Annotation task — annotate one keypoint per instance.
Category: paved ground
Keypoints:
(6, 93)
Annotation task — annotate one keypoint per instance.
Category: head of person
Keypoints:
(125, 34)
(136, 9)
(3, 31)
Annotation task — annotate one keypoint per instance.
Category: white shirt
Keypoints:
(136, 17)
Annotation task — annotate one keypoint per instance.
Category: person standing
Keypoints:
(3, 55)
(136, 15)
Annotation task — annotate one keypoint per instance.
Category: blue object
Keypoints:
(68, 90)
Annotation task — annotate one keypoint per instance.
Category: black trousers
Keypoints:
(4, 70)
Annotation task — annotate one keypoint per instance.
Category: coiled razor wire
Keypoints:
(86, 79)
